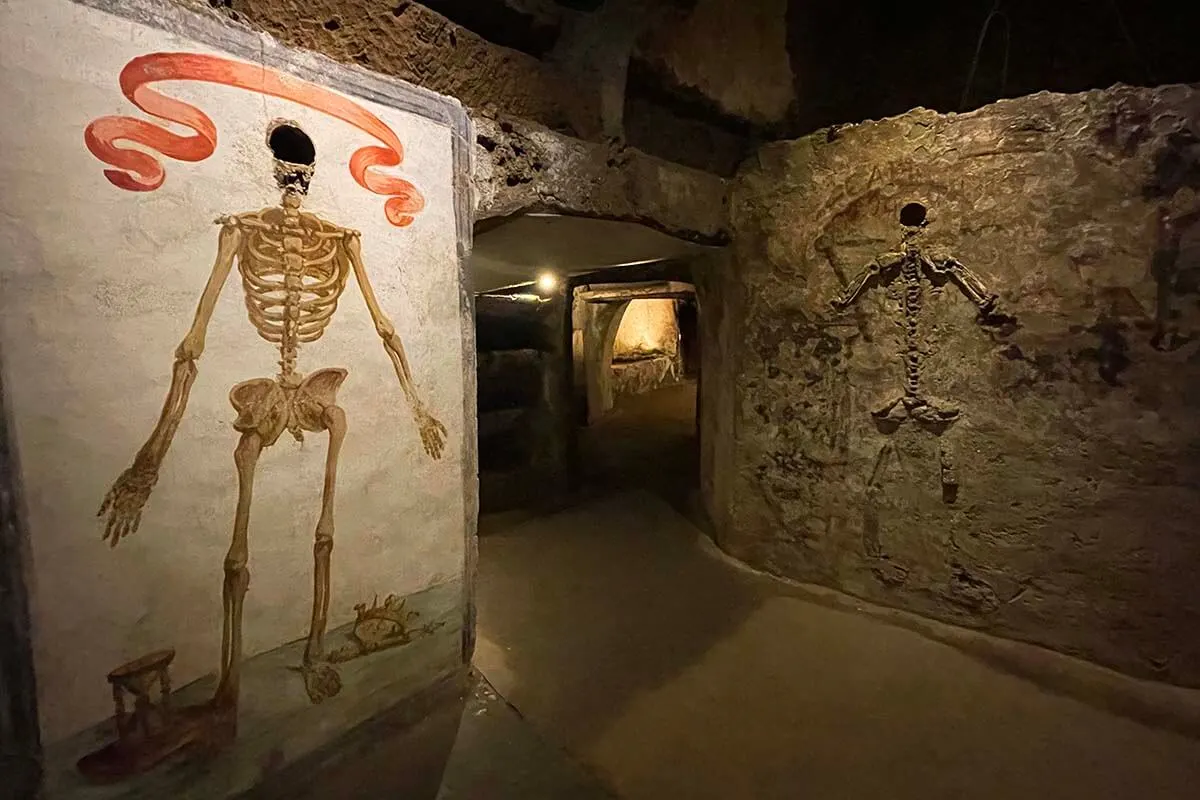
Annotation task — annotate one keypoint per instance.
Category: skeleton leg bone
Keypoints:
(321, 680)
(237, 574)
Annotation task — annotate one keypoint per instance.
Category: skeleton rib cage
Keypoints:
(294, 269)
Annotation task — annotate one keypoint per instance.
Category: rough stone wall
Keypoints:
(721, 300)
(663, 131)
(409, 41)
(731, 52)
(524, 399)
(563, 69)
(520, 167)
(531, 26)
(1060, 506)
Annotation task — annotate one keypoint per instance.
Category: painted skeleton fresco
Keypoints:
(185, 221)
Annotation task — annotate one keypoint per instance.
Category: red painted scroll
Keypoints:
(138, 171)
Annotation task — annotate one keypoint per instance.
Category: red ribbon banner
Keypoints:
(137, 171)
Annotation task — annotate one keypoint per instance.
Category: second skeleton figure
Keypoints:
(909, 262)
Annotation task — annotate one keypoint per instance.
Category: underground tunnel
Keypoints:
(585, 399)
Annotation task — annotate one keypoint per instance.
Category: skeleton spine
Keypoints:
(912, 311)
(293, 278)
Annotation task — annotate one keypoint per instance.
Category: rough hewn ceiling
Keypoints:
(515, 250)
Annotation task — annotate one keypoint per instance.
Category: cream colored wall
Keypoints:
(98, 285)
(648, 325)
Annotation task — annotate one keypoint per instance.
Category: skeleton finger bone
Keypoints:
(433, 435)
(106, 504)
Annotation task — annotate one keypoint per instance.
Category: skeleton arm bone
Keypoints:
(433, 433)
(877, 267)
(125, 500)
(965, 279)
(383, 325)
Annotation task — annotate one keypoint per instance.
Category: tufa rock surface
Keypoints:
(406, 40)
(1060, 505)
(729, 53)
(521, 167)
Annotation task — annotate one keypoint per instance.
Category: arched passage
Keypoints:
(651, 357)
(556, 291)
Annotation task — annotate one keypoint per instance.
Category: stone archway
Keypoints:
(603, 307)
(599, 336)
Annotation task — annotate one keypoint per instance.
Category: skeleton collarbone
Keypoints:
(294, 267)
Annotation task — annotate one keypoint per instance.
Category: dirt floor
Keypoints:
(500, 756)
(620, 636)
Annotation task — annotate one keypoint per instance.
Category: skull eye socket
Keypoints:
(912, 215)
(289, 143)
(294, 154)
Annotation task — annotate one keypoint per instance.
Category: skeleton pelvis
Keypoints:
(268, 408)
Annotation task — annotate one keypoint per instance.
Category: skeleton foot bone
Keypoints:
(321, 681)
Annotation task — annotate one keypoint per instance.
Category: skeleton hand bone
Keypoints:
(433, 433)
(125, 500)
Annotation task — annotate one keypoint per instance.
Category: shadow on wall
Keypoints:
(517, 348)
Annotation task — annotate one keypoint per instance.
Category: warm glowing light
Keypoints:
(547, 282)
(648, 326)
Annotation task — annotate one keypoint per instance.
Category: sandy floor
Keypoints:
(499, 756)
(672, 674)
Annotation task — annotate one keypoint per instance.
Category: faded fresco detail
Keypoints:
(378, 627)
(909, 263)
(294, 266)
(1071, 470)
(156, 677)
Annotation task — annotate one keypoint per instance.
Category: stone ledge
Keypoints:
(522, 167)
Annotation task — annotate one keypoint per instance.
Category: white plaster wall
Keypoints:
(98, 285)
